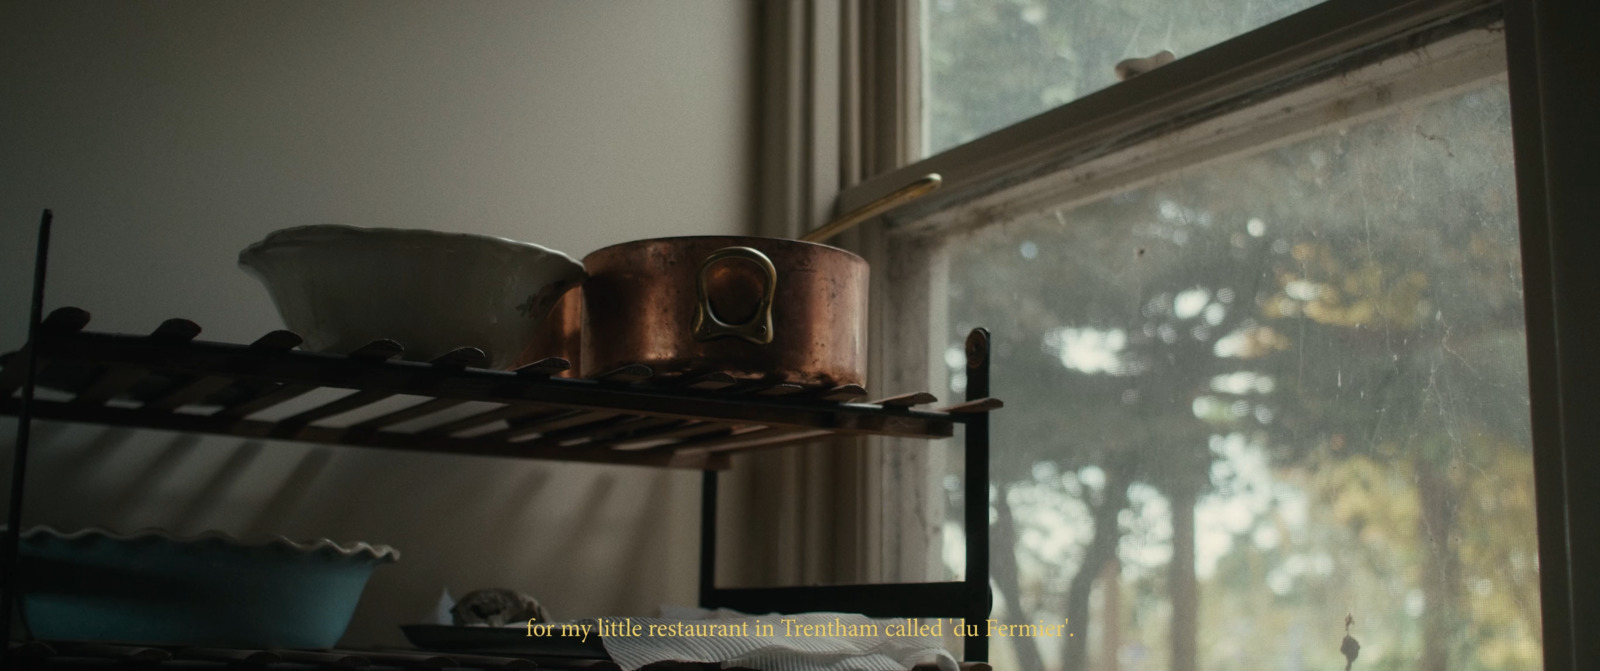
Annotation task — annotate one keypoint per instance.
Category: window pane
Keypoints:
(1258, 396)
(992, 63)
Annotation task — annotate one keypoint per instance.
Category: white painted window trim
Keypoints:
(835, 89)
(1196, 110)
(841, 114)
(1551, 52)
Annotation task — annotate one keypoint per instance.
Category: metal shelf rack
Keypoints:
(168, 380)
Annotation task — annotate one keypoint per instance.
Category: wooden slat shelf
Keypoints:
(168, 380)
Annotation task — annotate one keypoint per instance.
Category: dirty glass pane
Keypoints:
(990, 63)
(1260, 396)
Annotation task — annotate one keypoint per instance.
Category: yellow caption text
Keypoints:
(792, 628)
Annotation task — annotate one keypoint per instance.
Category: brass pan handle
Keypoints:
(922, 187)
(759, 329)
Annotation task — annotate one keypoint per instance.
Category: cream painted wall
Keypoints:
(169, 135)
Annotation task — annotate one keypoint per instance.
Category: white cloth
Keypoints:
(441, 610)
(789, 647)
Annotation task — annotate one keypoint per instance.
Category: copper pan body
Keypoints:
(691, 306)
(777, 310)
(560, 335)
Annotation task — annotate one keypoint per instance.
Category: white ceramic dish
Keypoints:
(341, 287)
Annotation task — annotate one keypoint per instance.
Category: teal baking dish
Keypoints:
(154, 588)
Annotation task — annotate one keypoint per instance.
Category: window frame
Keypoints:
(1331, 37)
(1556, 146)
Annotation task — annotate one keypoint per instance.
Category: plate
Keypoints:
(503, 640)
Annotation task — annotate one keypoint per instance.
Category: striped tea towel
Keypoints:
(804, 642)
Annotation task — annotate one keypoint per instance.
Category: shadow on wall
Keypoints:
(585, 540)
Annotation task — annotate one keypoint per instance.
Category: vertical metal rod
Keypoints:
(708, 539)
(9, 598)
(979, 598)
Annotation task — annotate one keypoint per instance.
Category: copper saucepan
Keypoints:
(772, 309)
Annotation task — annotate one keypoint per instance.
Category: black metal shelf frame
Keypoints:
(969, 599)
(169, 381)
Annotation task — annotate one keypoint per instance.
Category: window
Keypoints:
(1259, 324)
(1299, 372)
